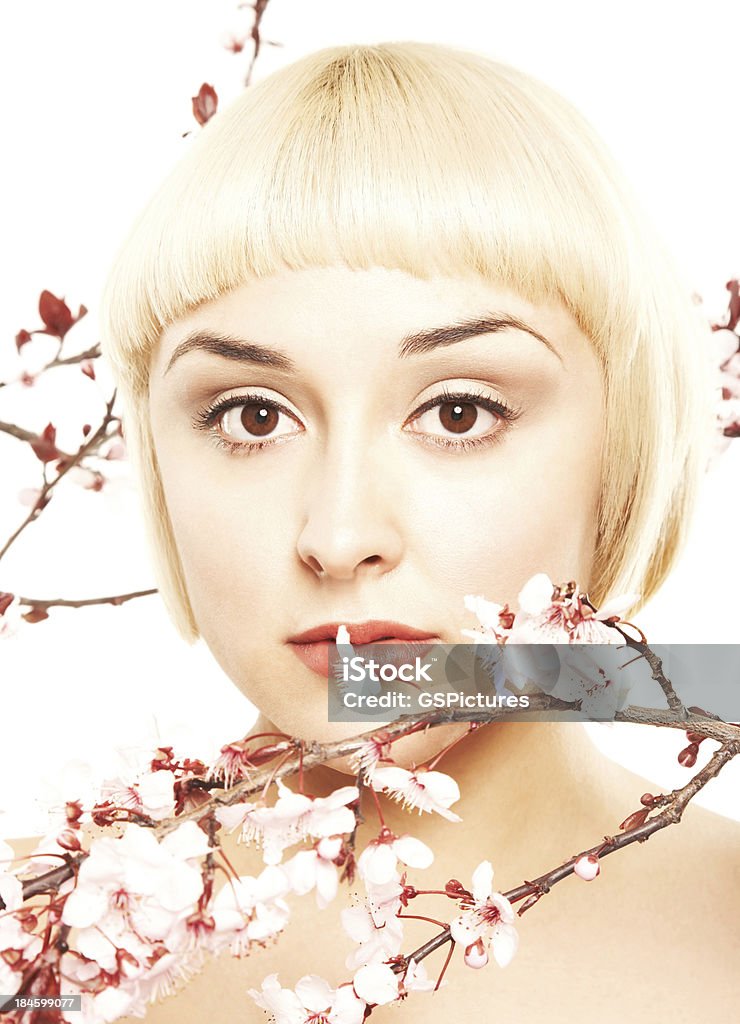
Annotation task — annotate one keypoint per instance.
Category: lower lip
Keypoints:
(317, 655)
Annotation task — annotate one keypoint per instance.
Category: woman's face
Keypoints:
(390, 444)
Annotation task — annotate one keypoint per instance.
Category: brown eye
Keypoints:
(259, 419)
(458, 417)
(255, 419)
(455, 417)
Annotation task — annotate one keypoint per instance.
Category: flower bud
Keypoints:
(68, 840)
(475, 955)
(587, 867)
(635, 819)
(695, 737)
(647, 800)
(687, 757)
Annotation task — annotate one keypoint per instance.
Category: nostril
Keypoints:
(314, 564)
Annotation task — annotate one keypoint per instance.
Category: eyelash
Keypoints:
(206, 419)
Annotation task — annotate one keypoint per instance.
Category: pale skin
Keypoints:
(354, 516)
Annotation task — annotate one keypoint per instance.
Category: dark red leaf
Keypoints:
(36, 615)
(44, 446)
(56, 315)
(5, 601)
(22, 338)
(205, 104)
(88, 369)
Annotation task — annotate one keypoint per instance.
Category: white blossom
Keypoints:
(377, 862)
(312, 1000)
(488, 917)
(296, 816)
(376, 983)
(428, 791)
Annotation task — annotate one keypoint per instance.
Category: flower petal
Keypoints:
(483, 881)
(314, 992)
(536, 594)
(413, 852)
(504, 943)
(377, 863)
(376, 983)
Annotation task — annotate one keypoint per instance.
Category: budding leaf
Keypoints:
(205, 104)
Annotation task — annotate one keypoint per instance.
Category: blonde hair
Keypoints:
(428, 159)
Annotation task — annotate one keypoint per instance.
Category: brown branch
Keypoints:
(60, 602)
(26, 435)
(260, 6)
(90, 353)
(675, 804)
(656, 670)
(312, 753)
(87, 448)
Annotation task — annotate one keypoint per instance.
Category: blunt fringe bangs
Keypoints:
(431, 160)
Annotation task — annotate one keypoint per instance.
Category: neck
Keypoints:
(531, 796)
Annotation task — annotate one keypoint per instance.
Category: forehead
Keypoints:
(382, 308)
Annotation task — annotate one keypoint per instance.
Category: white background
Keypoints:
(96, 99)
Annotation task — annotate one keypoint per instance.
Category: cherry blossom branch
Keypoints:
(26, 435)
(90, 445)
(81, 357)
(311, 753)
(59, 602)
(674, 804)
(259, 7)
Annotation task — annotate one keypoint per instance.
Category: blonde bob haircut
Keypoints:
(431, 160)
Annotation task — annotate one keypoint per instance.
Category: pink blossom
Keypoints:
(376, 984)
(121, 876)
(296, 816)
(429, 791)
(250, 909)
(489, 616)
(312, 1001)
(369, 754)
(377, 862)
(416, 979)
(487, 917)
(375, 925)
(151, 794)
(308, 869)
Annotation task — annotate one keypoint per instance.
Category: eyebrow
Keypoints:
(416, 343)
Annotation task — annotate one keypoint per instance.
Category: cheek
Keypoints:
(234, 536)
(526, 507)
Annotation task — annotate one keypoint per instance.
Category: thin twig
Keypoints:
(676, 804)
(312, 753)
(60, 602)
(93, 441)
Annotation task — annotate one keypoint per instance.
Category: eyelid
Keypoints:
(206, 419)
(465, 394)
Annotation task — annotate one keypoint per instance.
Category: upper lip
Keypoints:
(362, 632)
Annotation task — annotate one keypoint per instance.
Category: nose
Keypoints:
(352, 520)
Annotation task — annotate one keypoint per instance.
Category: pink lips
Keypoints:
(314, 647)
